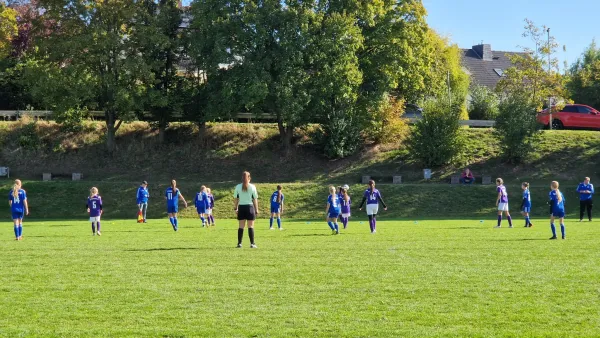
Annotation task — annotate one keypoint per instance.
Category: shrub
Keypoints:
(517, 127)
(484, 104)
(388, 126)
(437, 139)
(339, 136)
(28, 136)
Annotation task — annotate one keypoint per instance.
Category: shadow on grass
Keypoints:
(161, 249)
(520, 239)
(311, 235)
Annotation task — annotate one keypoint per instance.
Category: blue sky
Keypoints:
(573, 23)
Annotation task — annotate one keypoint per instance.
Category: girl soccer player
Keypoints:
(211, 204)
(17, 199)
(526, 204)
(372, 196)
(502, 203)
(173, 195)
(94, 208)
(276, 207)
(201, 202)
(345, 201)
(557, 203)
(333, 210)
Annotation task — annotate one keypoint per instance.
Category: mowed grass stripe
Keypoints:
(431, 278)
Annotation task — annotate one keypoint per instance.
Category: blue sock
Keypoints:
(279, 223)
(563, 230)
(336, 227)
(553, 229)
(527, 221)
(16, 231)
(499, 220)
(20, 230)
(171, 220)
(175, 221)
(202, 219)
(331, 225)
(271, 222)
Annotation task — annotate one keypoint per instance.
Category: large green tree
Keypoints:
(584, 77)
(8, 28)
(92, 59)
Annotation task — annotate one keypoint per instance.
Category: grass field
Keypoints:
(431, 278)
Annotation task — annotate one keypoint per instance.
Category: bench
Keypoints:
(74, 176)
(5, 171)
(485, 180)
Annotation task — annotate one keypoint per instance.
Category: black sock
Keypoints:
(251, 235)
(93, 228)
(240, 235)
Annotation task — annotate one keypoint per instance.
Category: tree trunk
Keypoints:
(162, 130)
(110, 131)
(201, 130)
(286, 133)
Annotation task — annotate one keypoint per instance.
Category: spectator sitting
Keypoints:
(467, 177)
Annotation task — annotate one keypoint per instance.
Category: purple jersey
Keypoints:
(211, 201)
(95, 205)
(503, 195)
(346, 205)
(372, 197)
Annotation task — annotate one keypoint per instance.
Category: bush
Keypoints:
(517, 127)
(28, 136)
(437, 139)
(339, 136)
(484, 104)
(388, 126)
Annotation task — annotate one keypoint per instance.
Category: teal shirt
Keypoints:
(247, 196)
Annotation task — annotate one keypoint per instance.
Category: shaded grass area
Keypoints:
(434, 278)
(59, 200)
(223, 150)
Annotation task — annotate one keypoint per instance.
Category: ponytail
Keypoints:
(173, 184)
(245, 180)
(279, 194)
(558, 196)
(16, 188)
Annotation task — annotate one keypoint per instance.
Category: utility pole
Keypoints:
(549, 97)
(449, 92)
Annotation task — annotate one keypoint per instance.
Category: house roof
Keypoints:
(486, 66)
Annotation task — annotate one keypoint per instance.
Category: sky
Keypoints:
(500, 23)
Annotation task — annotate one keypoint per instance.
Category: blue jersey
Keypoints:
(557, 207)
(172, 197)
(201, 201)
(334, 203)
(18, 202)
(275, 202)
(584, 187)
(526, 199)
(142, 195)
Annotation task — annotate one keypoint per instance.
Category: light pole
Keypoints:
(549, 97)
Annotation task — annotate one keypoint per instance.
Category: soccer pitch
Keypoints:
(431, 278)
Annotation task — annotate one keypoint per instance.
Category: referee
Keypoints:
(586, 191)
(246, 206)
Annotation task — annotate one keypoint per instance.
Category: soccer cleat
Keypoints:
(510, 226)
(333, 232)
(253, 246)
(526, 225)
(280, 229)
(271, 228)
(93, 234)
(530, 225)
(581, 220)
(497, 226)
(145, 221)
(563, 237)
(553, 237)
(239, 246)
(99, 234)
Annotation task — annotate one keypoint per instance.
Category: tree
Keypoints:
(8, 29)
(535, 72)
(584, 77)
(92, 59)
(162, 47)
(516, 126)
(483, 104)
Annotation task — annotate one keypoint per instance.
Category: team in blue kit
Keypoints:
(173, 195)
(202, 203)
(557, 209)
(526, 204)
(19, 207)
(333, 210)
(277, 199)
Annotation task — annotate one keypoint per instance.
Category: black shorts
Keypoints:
(246, 213)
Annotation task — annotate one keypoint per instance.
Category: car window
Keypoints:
(570, 109)
(584, 110)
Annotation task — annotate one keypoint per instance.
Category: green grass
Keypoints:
(452, 278)
(59, 200)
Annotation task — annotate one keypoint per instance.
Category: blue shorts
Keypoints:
(334, 214)
(558, 213)
(201, 210)
(17, 215)
(526, 209)
(171, 209)
(275, 210)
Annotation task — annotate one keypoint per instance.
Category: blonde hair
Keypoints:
(203, 188)
(331, 190)
(173, 184)
(245, 180)
(208, 190)
(16, 188)
(93, 191)
(499, 181)
(554, 185)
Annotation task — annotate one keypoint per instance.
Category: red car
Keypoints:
(572, 116)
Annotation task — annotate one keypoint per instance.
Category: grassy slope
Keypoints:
(434, 278)
(66, 200)
(229, 148)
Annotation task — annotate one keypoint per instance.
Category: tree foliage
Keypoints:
(8, 29)
(584, 77)
(483, 104)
